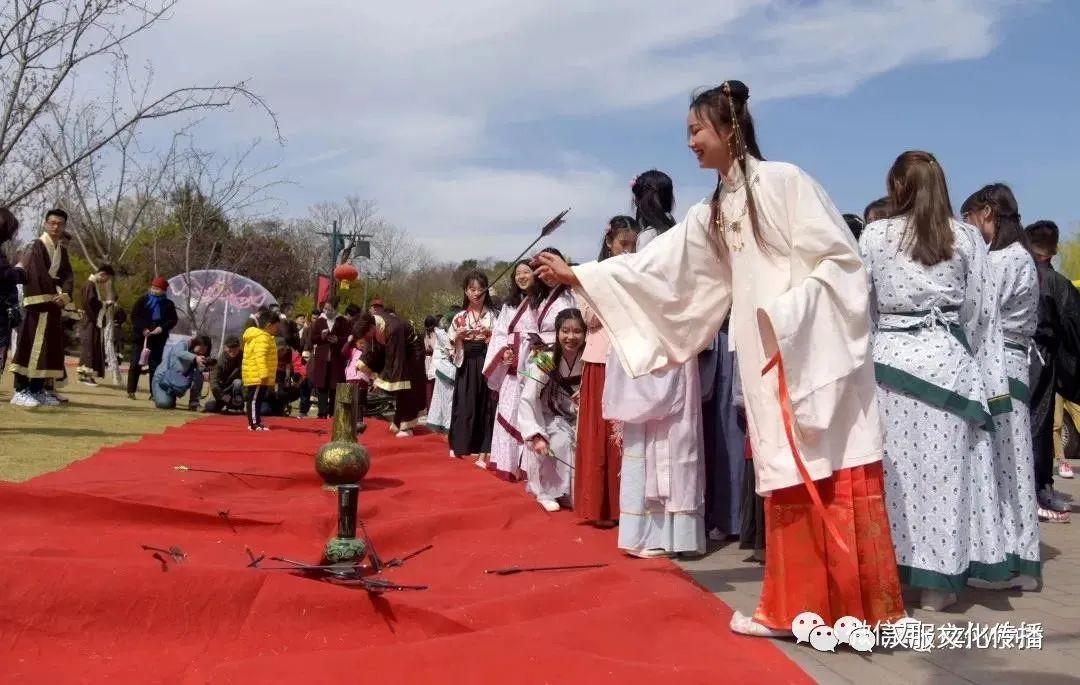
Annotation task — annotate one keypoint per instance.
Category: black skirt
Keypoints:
(472, 414)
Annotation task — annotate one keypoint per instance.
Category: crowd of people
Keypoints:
(864, 401)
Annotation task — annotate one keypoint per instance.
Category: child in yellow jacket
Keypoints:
(259, 368)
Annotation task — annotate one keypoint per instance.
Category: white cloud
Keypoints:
(405, 101)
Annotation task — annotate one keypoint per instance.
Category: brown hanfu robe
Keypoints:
(98, 305)
(397, 357)
(40, 349)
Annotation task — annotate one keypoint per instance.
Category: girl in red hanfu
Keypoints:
(770, 248)
(599, 452)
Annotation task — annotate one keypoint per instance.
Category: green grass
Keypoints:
(37, 441)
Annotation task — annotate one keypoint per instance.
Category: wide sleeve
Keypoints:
(980, 317)
(820, 327)
(494, 367)
(66, 276)
(531, 418)
(664, 305)
(91, 303)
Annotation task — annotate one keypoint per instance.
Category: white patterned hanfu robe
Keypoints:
(662, 480)
(442, 399)
(511, 332)
(939, 360)
(1018, 298)
(549, 410)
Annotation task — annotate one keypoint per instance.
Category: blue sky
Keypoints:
(471, 123)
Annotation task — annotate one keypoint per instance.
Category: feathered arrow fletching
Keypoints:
(547, 230)
(554, 224)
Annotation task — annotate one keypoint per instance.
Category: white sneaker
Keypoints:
(24, 399)
(549, 504)
(405, 434)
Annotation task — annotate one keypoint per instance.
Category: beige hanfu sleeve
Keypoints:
(664, 305)
(821, 325)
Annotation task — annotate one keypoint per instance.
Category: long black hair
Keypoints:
(727, 105)
(556, 380)
(654, 200)
(481, 278)
(1005, 212)
(541, 289)
(516, 294)
(616, 227)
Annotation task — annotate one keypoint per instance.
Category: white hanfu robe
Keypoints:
(549, 410)
(939, 356)
(442, 399)
(806, 299)
(511, 332)
(1017, 283)
(559, 299)
(662, 480)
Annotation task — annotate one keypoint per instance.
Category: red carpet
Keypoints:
(80, 601)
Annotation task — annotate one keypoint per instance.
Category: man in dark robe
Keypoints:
(1054, 369)
(329, 335)
(152, 317)
(39, 352)
(99, 307)
(395, 358)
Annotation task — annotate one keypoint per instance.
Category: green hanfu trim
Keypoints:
(444, 378)
(952, 402)
(1002, 404)
(1013, 565)
(1019, 391)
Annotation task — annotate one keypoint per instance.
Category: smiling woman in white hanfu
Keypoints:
(771, 248)
(506, 356)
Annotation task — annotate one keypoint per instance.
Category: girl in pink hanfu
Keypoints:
(506, 355)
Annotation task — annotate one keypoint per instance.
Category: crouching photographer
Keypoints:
(226, 383)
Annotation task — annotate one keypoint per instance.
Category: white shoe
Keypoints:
(935, 600)
(25, 399)
(405, 434)
(480, 463)
(745, 625)
(549, 504)
(648, 553)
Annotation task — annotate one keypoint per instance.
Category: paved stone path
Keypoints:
(727, 573)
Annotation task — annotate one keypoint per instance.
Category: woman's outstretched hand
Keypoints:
(551, 266)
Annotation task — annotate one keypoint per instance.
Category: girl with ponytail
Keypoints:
(770, 248)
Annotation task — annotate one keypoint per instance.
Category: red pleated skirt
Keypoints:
(805, 570)
(598, 459)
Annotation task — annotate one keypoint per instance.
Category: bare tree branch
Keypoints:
(43, 44)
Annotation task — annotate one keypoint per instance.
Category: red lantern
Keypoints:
(346, 273)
